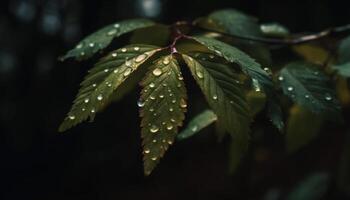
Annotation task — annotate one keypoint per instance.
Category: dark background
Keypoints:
(103, 160)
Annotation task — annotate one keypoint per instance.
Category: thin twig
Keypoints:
(293, 40)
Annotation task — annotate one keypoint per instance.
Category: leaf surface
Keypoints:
(162, 107)
(105, 78)
(103, 37)
(223, 92)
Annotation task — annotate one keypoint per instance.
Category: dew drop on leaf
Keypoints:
(161, 96)
(171, 109)
(99, 97)
(115, 71)
(124, 50)
(157, 72)
(94, 85)
(136, 48)
(328, 97)
(194, 128)
(71, 117)
(307, 96)
(116, 25)
(79, 46)
(154, 158)
(92, 111)
(140, 58)
(86, 100)
(170, 142)
(166, 61)
(280, 78)
(199, 74)
(111, 32)
(140, 103)
(152, 85)
(91, 44)
(169, 127)
(215, 97)
(183, 103)
(154, 129)
(147, 151)
(180, 78)
(128, 63)
(114, 55)
(106, 70)
(290, 88)
(152, 97)
(127, 72)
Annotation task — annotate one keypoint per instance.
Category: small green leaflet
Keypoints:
(236, 22)
(103, 37)
(223, 92)
(107, 75)
(343, 66)
(198, 123)
(162, 107)
(250, 67)
(309, 87)
(274, 30)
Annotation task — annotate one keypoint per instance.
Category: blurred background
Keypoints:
(103, 160)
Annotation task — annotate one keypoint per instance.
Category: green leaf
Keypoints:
(250, 67)
(256, 101)
(343, 69)
(309, 87)
(223, 92)
(236, 151)
(274, 30)
(314, 187)
(107, 75)
(198, 123)
(302, 127)
(344, 51)
(163, 104)
(236, 22)
(103, 37)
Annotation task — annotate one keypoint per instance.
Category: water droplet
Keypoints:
(154, 141)
(152, 97)
(231, 102)
(140, 58)
(280, 78)
(151, 109)
(171, 109)
(114, 55)
(166, 61)
(180, 78)
(106, 70)
(307, 96)
(91, 44)
(124, 50)
(328, 97)
(152, 85)
(218, 52)
(215, 97)
(94, 85)
(140, 103)
(157, 72)
(116, 25)
(173, 101)
(71, 117)
(86, 100)
(194, 128)
(172, 120)
(154, 158)
(290, 88)
(112, 32)
(183, 103)
(128, 63)
(127, 72)
(147, 151)
(92, 111)
(79, 46)
(99, 97)
(161, 96)
(169, 127)
(115, 71)
(199, 74)
(164, 85)
(154, 129)
(82, 53)
(83, 109)
(179, 85)
(171, 94)
(211, 56)
(136, 48)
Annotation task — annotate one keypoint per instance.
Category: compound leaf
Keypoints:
(103, 37)
(107, 75)
(163, 104)
(308, 87)
(198, 123)
(223, 92)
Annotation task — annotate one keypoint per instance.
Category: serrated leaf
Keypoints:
(274, 30)
(198, 123)
(313, 187)
(103, 37)
(309, 87)
(107, 75)
(224, 94)
(163, 104)
(302, 127)
(250, 67)
(236, 22)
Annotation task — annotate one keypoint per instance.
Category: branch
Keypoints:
(293, 40)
